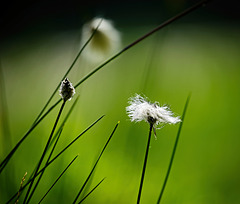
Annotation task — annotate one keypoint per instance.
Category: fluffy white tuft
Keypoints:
(105, 41)
(141, 109)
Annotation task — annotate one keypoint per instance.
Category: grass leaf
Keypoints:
(174, 149)
(39, 118)
(36, 122)
(167, 22)
(27, 199)
(105, 146)
(58, 179)
(91, 191)
(60, 153)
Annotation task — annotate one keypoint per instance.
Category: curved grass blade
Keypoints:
(58, 133)
(65, 148)
(58, 136)
(27, 199)
(91, 191)
(166, 23)
(4, 111)
(174, 149)
(55, 144)
(58, 179)
(49, 157)
(8, 157)
(169, 21)
(31, 177)
(53, 148)
(91, 172)
(39, 118)
(52, 160)
(149, 63)
(69, 69)
(65, 119)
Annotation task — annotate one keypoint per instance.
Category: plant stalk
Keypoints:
(26, 200)
(174, 150)
(145, 164)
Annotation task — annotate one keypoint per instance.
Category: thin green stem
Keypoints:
(26, 200)
(39, 118)
(65, 119)
(58, 179)
(169, 21)
(174, 150)
(52, 160)
(69, 69)
(91, 191)
(54, 146)
(8, 157)
(4, 111)
(86, 181)
(49, 157)
(65, 148)
(58, 133)
(58, 136)
(144, 164)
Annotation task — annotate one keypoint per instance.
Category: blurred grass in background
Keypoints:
(184, 57)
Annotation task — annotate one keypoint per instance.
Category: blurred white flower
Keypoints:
(105, 41)
(141, 109)
(66, 90)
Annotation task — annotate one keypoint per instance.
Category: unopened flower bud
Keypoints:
(66, 90)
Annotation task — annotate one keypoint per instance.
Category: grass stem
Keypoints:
(169, 21)
(9, 156)
(26, 200)
(174, 150)
(100, 155)
(36, 122)
(40, 117)
(69, 69)
(60, 153)
(90, 191)
(144, 164)
(58, 179)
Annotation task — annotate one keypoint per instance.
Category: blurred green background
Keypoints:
(197, 55)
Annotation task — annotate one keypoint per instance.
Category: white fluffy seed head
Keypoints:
(141, 109)
(105, 41)
(66, 90)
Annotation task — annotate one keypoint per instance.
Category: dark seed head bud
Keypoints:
(66, 90)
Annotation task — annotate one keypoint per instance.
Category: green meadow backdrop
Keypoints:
(183, 58)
